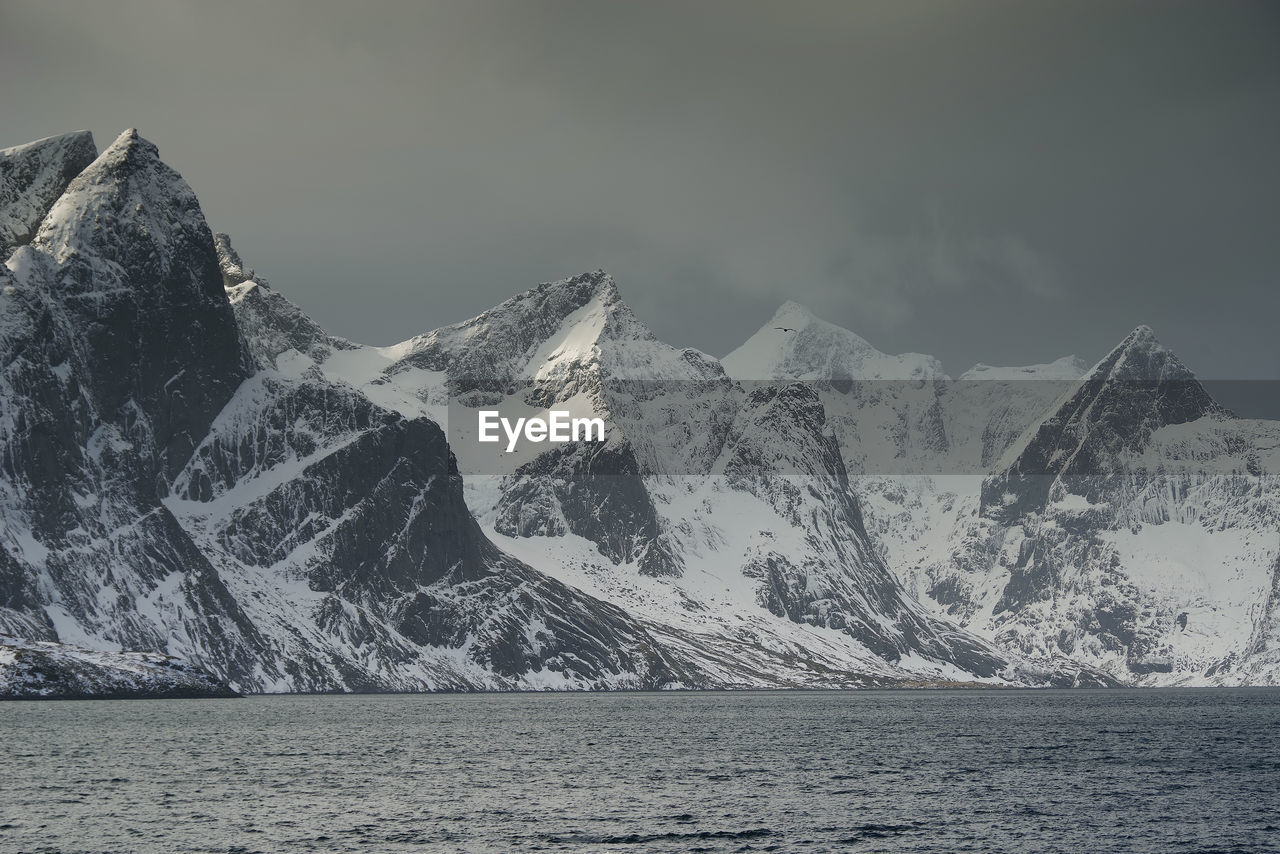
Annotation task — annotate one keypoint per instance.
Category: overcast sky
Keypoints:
(997, 182)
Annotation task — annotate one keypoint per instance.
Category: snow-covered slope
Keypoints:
(691, 459)
(1066, 368)
(189, 464)
(1133, 527)
(41, 670)
(166, 487)
(1114, 515)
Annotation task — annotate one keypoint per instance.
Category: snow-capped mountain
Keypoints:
(1133, 527)
(119, 348)
(720, 515)
(190, 465)
(885, 410)
(1113, 515)
(166, 489)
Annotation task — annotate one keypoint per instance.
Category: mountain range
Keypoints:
(189, 465)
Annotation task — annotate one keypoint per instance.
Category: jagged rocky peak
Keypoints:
(795, 344)
(233, 272)
(130, 220)
(125, 255)
(32, 177)
(1140, 357)
(570, 333)
(589, 304)
(270, 324)
(1139, 387)
(1155, 378)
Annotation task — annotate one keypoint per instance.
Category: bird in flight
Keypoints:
(784, 328)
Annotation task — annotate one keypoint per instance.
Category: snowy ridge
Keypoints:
(270, 325)
(193, 466)
(1066, 368)
(796, 345)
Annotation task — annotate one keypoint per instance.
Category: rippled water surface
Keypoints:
(1095, 771)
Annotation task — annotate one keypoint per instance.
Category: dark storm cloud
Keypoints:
(996, 182)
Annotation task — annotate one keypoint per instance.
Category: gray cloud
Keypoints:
(1004, 182)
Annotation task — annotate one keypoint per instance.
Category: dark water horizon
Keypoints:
(965, 769)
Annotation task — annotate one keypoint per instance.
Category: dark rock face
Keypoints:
(523, 622)
(595, 492)
(119, 349)
(142, 284)
(20, 612)
(1138, 388)
(783, 428)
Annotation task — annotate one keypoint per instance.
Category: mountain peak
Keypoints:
(130, 208)
(1140, 357)
(74, 139)
(128, 146)
(1141, 339)
(596, 283)
(32, 177)
(1138, 388)
(796, 344)
(793, 311)
(565, 321)
(551, 303)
